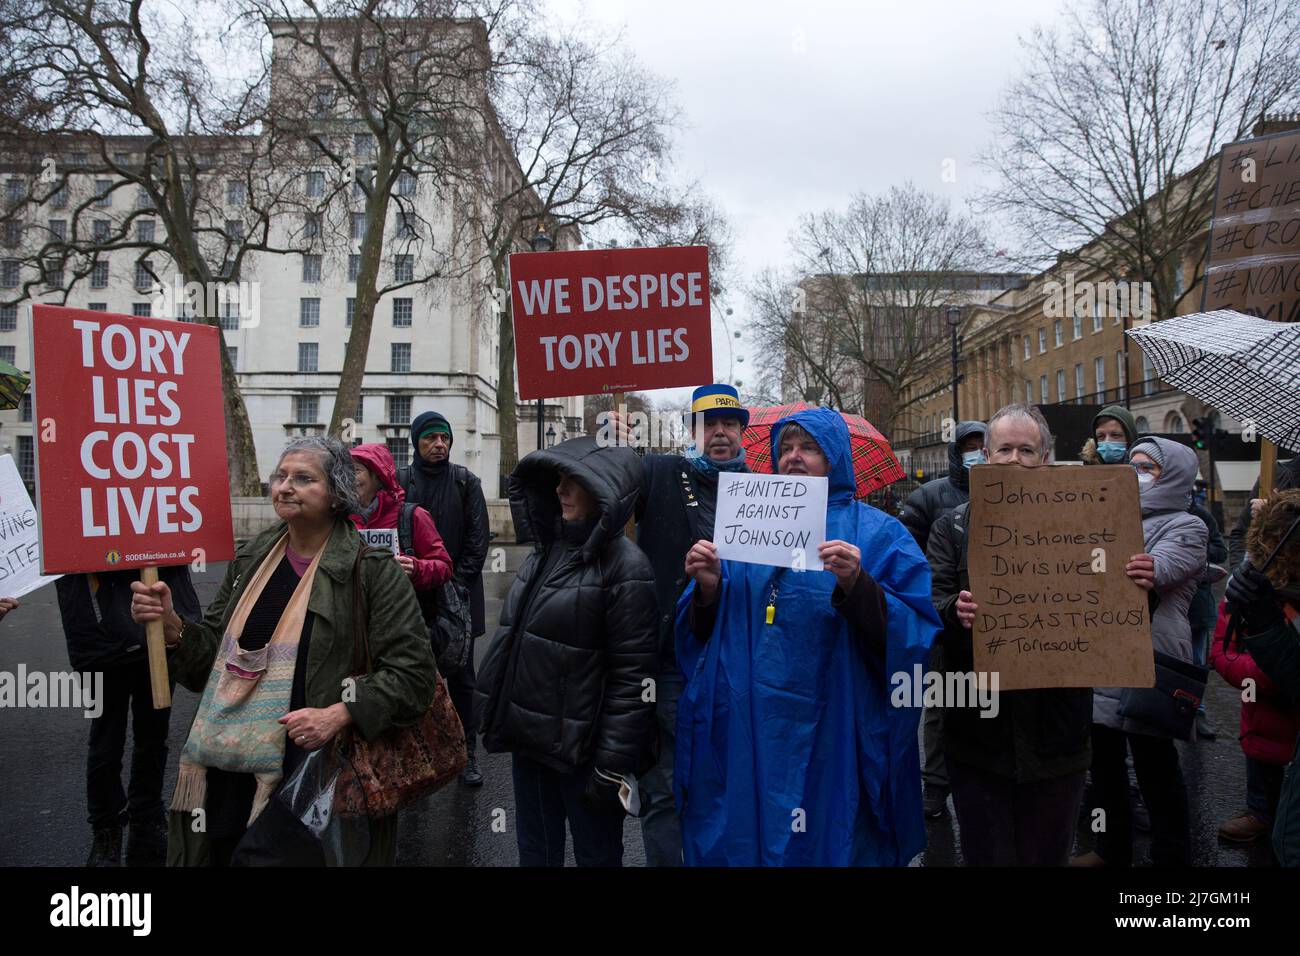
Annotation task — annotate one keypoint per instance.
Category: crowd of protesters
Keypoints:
(741, 711)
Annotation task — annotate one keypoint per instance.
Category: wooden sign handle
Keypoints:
(1267, 467)
(629, 529)
(162, 692)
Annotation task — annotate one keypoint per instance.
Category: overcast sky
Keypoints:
(791, 107)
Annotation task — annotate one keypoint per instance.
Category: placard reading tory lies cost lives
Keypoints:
(131, 441)
(1047, 552)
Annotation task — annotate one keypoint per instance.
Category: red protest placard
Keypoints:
(611, 320)
(131, 441)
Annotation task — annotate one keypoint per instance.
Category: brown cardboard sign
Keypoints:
(1253, 264)
(1047, 550)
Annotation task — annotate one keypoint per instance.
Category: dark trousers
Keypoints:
(544, 799)
(1160, 779)
(1005, 823)
(127, 693)
(460, 685)
(1263, 788)
(932, 767)
(661, 830)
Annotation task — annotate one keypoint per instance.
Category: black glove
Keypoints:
(1251, 594)
(601, 795)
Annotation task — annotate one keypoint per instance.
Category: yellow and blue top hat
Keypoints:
(716, 400)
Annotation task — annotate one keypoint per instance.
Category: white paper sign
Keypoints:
(20, 549)
(771, 519)
(380, 538)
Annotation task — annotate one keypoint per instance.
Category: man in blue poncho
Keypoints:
(789, 752)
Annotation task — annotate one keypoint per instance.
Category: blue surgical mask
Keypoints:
(970, 459)
(1111, 452)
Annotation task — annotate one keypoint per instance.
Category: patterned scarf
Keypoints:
(707, 466)
(237, 725)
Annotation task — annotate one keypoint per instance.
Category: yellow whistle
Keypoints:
(771, 613)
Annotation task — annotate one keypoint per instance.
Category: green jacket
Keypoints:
(402, 684)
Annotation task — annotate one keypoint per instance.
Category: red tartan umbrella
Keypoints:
(874, 464)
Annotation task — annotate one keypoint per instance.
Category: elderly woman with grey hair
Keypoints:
(273, 659)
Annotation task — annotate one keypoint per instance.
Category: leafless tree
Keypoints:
(1105, 144)
(854, 319)
(126, 101)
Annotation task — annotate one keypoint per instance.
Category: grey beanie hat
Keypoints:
(1149, 448)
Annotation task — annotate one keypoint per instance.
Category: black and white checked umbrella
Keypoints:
(1246, 367)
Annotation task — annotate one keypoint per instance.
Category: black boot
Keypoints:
(146, 843)
(471, 776)
(106, 849)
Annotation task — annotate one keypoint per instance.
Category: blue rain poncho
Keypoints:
(789, 752)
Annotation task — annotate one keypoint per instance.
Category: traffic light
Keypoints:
(1200, 432)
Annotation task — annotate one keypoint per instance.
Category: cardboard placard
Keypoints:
(1253, 262)
(778, 520)
(1047, 551)
(611, 320)
(131, 441)
(385, 538)
(20, 549)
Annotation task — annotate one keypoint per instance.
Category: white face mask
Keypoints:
(1145, 481)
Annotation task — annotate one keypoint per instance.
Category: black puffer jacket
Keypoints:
(563, 681)
(935, 499)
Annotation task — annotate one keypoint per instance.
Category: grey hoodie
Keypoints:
(1177, 540)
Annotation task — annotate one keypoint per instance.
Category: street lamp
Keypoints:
(550, 436)
(541, 242)
(954, 322)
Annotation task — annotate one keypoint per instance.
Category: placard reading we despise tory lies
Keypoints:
(778, 520)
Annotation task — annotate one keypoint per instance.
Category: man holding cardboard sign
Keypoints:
(1017, 774)
(789, 752)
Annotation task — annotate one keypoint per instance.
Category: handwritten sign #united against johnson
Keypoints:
(779, 520)
(1048, 547)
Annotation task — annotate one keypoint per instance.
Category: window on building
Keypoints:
(403, 268)
(306, 409)
(1042, 390)
(1099, 373)
(1148, 375)
(13, 233)
(311, 225)
(103, 193)
(8, 353)
(143, 275)
(1060, 384)
(1029, 392)
(1121, 373)
(1078, 380)
(308, 313)
(360, 415)
(400, 449)
(26, 458)
(59, 230)
(1056, 330)
(358, 227)
(99, 230)
(1027, 348)
(354, 267)
(14, 189)
(99, 275)
(402, 313)
(311, 264)
(405, 183)
(1143, 426)
(142, 198)
(398, 411)
(1042, 341)
(363, 145)
(324, 101)
(230, 315)
(59, 198)
(309, 357)
(233, 352)
(25, 407)
(8, 318)
(401, 357)
(1096, 321)
(98, 306)
(235, 230)
(142, 310)
(144, 230)
(351, 313)
(406, 224)
(54, 273)
(9, 273)
(315, 184)
(359, 185)
(234, 192)
(1078, 326)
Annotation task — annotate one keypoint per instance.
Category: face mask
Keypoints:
(971, 458)
(1111, 452)
(1145, 481)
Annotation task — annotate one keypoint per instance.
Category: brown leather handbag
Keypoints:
(403, 764)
